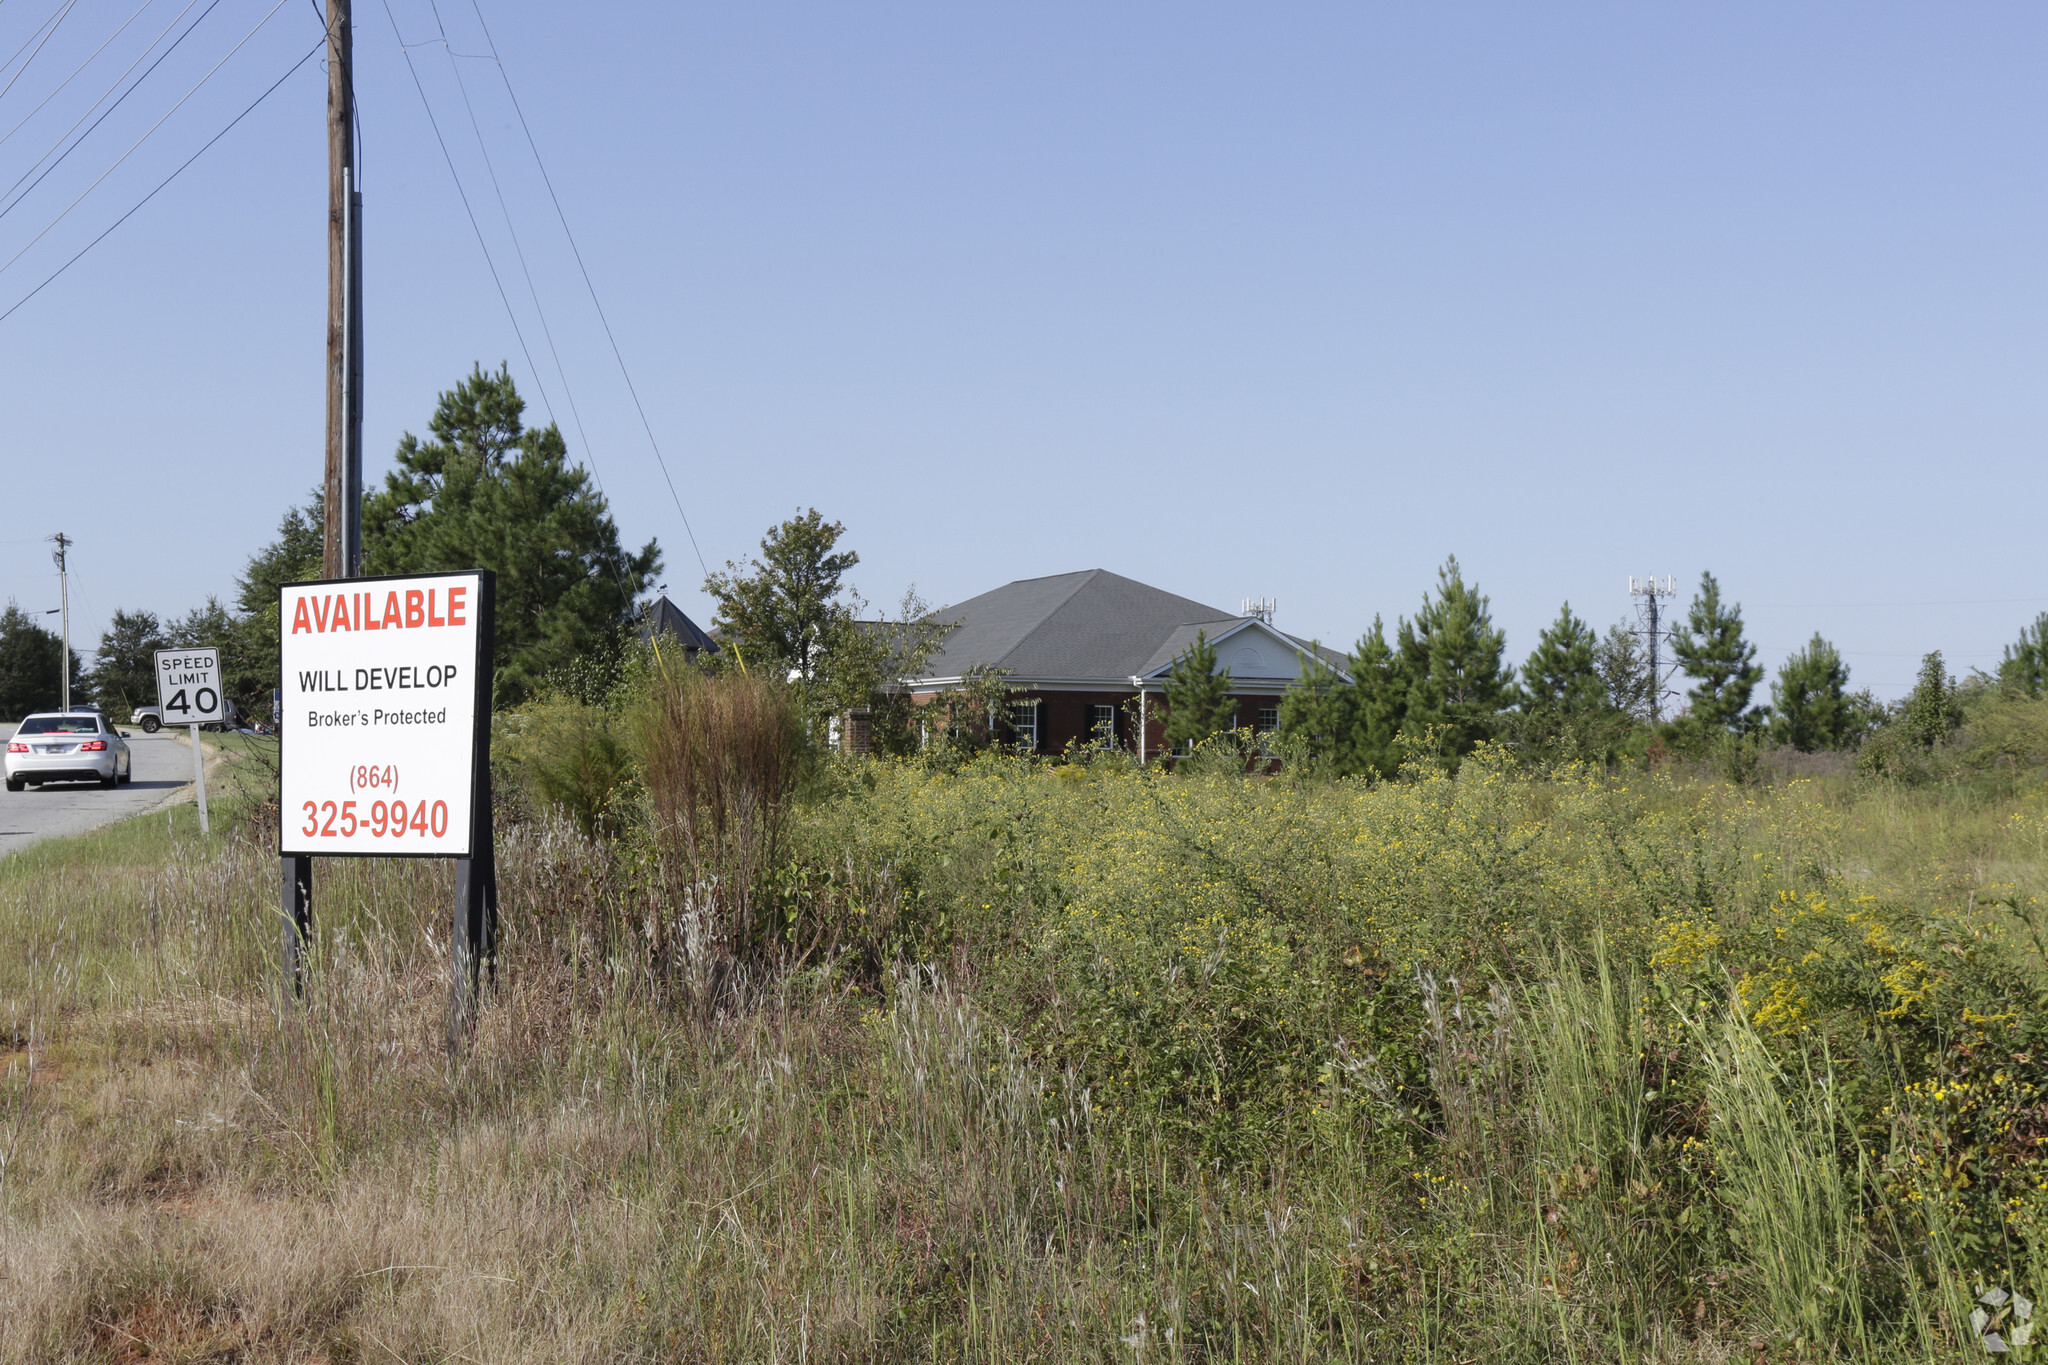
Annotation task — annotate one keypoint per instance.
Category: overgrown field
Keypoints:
(1033, 1061)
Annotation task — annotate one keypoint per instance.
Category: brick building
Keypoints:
(1090, 651)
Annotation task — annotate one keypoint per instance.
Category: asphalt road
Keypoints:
(162, 767)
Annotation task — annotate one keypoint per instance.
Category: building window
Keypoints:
(1024, 724)
(1269, 719)
(1102, 726)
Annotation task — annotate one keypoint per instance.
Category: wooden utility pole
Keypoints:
(64, 543)
(342, 529)
(342, 543)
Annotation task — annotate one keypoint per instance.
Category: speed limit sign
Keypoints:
(188, 693)
(188, 686)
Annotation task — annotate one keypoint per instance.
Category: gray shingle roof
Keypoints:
(1092, 626)
(665, 616)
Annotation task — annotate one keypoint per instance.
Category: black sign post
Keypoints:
(474, 953)
(384, 751)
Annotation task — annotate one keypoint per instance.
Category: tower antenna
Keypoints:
(1647, 593)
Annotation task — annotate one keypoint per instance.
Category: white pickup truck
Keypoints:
(151, 719)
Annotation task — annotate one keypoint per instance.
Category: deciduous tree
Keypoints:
(789, 607)
(124, 666)
(252, 666)
(29, 660)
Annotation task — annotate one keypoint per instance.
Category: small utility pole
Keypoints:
(1647, 592)
(63, 543)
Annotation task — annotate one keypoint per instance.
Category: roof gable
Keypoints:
(1089, 626)
(1251, 649)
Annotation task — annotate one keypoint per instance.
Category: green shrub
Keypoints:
(573, 758)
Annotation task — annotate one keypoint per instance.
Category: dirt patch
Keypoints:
(158, 1330)
(35, 1066)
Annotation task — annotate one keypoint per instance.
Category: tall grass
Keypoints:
(1157, 1069)
(1794, 1179)
(721, 755)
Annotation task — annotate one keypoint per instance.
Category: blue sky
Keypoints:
(1291, 301)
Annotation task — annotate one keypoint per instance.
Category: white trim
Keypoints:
(1286, 642)
(1248, 683)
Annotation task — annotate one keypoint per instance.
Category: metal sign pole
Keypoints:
(199, 777)
(473, 942)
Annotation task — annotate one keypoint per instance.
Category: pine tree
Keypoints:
(1316, 708)
(2026, 663)
(1624, 670)
(1451, 655)
(486, 493)
(1933, 710)
(1371, 742)
(1198, 701)
(1562, 676)
(1810, 706)
(1353, 725)
(1711, 650)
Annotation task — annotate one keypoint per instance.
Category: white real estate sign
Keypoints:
(188, 687)
(382, 712)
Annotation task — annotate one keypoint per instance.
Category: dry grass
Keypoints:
(194, 1173)
(721, 761)
(822, 1171)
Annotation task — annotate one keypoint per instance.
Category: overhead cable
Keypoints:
(166, 180)
(49, 23)
(144, 138)
(547, 332)
(463, 194)
(639, 407)
(66, 82)
(110, 108)
(68, 7)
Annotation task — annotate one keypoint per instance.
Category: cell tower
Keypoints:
(1647, 593)
(1261, 607)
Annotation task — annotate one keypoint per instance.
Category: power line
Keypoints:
(66, 82)
(547, 332)
(62, 14)
(9, 207)
(144, 138)
(1959, 602)
(518, 250)
(24, 44)
(463, 194)
(58, 17)
(166, 180)
(548, 180)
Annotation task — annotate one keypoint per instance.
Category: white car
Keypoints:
(67, 746)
